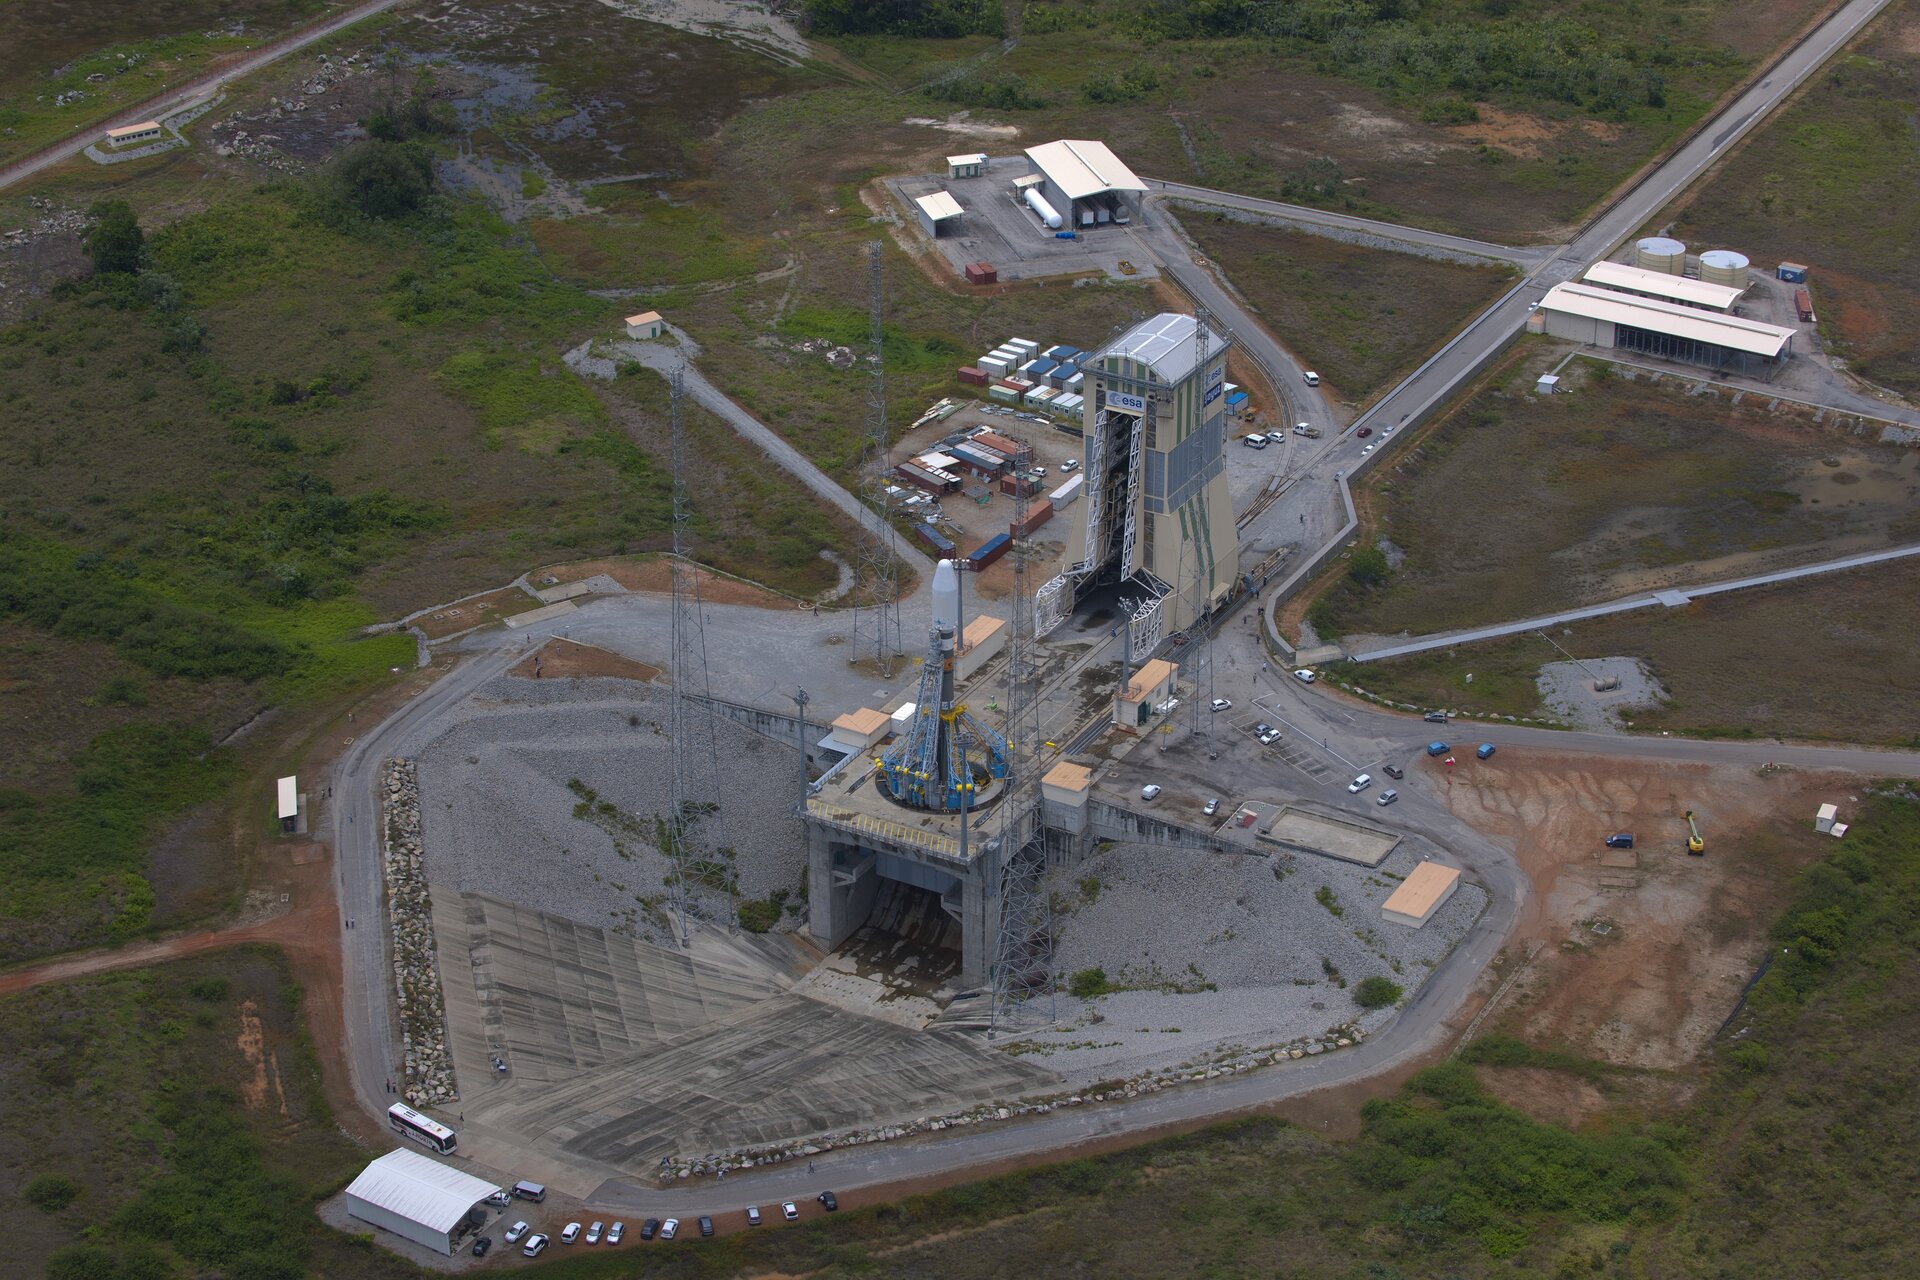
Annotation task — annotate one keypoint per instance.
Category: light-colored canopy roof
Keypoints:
(1702, 293)
(1081, 169)
(1420, 890)
(1734, 332)
(939, 206)
(420, 1189)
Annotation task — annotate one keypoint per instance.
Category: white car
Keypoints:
(515, 1231)
(536, 1245)
(594, 1230)
(669, 1228)
(1210, 808)
(1364, 452)
(571, 1233)
(1304, 676)
(1270, 737)
(615, 1231)
(790, 1211)
(1221, 704)
(1360, 783)
(1150, 792)
(1071, 464)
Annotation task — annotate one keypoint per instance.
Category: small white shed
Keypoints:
(646, 326)
(1547, 385)
(287, 804)
(967, 166)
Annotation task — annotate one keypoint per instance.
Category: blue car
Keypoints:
(1436, 748)
(1486, 749)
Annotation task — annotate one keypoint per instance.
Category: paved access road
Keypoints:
(175, 99)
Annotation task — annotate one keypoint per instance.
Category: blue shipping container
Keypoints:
(990, 550)
(1062, 353)
(1793, 273)
(935, 539)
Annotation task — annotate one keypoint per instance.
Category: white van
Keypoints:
(1258, 440)
(529, 1191)
(1312, 379)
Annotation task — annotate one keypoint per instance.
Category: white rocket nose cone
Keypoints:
(946, 595)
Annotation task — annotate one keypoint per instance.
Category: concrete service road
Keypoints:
(193, 90)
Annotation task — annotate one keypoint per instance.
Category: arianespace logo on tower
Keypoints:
(1216, 383)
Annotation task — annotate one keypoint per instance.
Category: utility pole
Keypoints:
(876, 624)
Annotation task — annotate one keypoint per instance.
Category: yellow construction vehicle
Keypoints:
(1694, 843)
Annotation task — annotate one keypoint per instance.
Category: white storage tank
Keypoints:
(1038, 203)
(1724, 266)
(1659, 253)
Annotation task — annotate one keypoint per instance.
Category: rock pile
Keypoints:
(1343, 1036)
(428, 1063)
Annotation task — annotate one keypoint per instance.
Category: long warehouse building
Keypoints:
(1606, 318)
(1087, 183)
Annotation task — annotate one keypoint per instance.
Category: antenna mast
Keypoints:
(876, 625)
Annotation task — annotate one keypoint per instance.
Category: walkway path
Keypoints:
(174, 99)
(1671, 597)
(1413, 237)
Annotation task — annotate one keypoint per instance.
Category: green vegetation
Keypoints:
(380, 178)
(157, 1147)
(1326, 897)
(115, 241)
(1360, 316)
(937, 18)
(1826, 183)
(1088, 983)
(1376, 992)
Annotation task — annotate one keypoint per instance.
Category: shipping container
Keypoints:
(1064, 496)
(1036, 517)
(922, 478)
(972, 375)
(1803, 303)
(1060, 373)
(1792, 273)
(992, 366)
(1027, 345)
(982, 273)
(1062, 353)
(982, 461)
(989, 551)
(1038, 368)
(1019, 486)
(987, 438)
(1005, 393)
(936, 541)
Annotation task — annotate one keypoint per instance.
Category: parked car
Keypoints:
(1437, 748)
(500, 1199)
(1150, 792)
(789, 1210)
(1311, 379)
(1484, 751)
(1364, 452)
(1624, 840)
(1221, 704)
(1305, 676)
(481, 1246)
(753, 1215)
(616, 1231)
(650, 1228)
(594, 1232)
(706, 1226)
(1364, 432)
(1394, 771)
(1257, 440)
(1360, 783)
(515, 1231)
(1071, 464)
(536, 1245)
(570, 1234)
(828, 1199)
(1210, 808)
(1387, 797)
(1262, 729)
(1435, 717)
(670, 1228)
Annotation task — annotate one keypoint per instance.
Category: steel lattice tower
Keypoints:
(876, 624)
(696, 822)
(1022, 972)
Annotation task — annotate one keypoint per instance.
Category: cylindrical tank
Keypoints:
(1038, 203)
(1724, 266)
(1658, 253)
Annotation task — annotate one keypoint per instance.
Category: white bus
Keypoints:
(423, 1129)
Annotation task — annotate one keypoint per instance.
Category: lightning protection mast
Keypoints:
(876, 624)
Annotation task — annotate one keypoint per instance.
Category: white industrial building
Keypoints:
(939, 214)
(1688, 292)
(1613, 320)
(967, 166)
(1085, 184)
(419, 1199)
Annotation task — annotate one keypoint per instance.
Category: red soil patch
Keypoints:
(562, 657)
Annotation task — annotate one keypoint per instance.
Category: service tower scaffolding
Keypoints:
(696, 825)
(876, 620)
(1023, 952)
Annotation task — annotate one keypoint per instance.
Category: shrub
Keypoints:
(1325, 896)
(758, 915)
(1450, 111)
(381, 179)
(52, 1192)
(1088, 983)
(115, 241)
(1376, 992)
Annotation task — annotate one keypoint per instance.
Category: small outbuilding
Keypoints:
(1547, 384)
(287, 806)
(983, 638)
(134, 134)
(967, 166)
(1151, 685)
(646, 326)
(1421, 894)
(420, 1199)
(1063, 796)
(939, 214)
(859, 730)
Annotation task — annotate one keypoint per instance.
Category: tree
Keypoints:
(382, 179)
(1368, 567)
(1376, 992)
(115, 241)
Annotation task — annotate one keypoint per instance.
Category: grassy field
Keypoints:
(1359, 316)
(169, 1121)
(1519, 504)
(65, 66)
(1827, 659)
(1827, 183)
